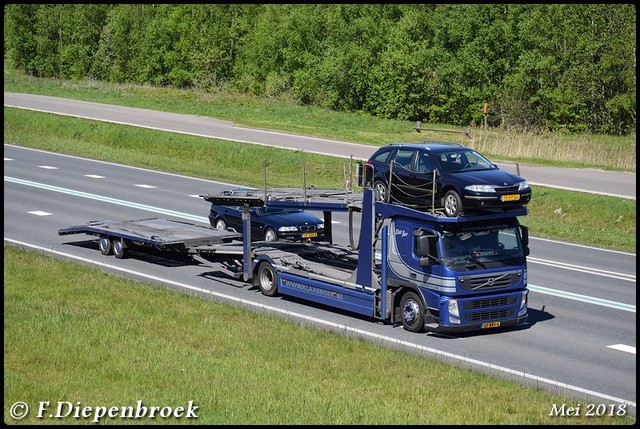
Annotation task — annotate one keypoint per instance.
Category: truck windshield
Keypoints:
(477, 250)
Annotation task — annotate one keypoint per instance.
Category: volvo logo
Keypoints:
(491, 281)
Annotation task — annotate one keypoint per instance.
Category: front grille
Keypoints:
(306, 228)
(490, 302)
(506, 188)
(484, 282)
(490, 315)
(476, 304)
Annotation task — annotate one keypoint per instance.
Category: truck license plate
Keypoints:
(309, 235)
(490, 325)
(515, 197)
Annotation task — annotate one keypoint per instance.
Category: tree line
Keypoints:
(538, 67)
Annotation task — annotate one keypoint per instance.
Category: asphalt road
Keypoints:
(580, 339)
(617, 184)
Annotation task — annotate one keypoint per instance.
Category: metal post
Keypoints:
(346, 182)
(247, 261)
(388, 196)
(265, 180)
(433, 192)
(304, 182)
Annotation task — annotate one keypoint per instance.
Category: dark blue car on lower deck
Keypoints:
(269, 224)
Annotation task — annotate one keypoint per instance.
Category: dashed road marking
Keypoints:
(623, 348)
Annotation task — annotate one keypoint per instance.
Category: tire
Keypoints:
(380, 190)
(119, 249)
(105, 246)
(221, 224)
(412, 312)
(270, 235)
(452, 204)
(266, 277)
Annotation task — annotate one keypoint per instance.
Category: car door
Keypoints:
(233, 217)
(403, 176)
(424, 179)
(415, 181)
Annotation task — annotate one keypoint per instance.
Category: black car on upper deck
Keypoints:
(444, 175)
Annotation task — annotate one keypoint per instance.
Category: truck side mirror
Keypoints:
(524, 233)
(425, 243)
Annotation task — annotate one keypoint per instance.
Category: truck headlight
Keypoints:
(453, 308)
(288, 229)
(524, 300)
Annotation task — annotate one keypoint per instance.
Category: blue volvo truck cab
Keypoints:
(464, 273)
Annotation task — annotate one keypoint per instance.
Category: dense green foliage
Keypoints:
(538, 66)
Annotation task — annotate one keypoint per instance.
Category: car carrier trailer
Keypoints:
(166, 235)
(423, 270)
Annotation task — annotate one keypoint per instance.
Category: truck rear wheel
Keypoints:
(267, 282)
(412, 312)
(105, 245)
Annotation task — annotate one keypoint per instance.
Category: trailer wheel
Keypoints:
(119, 249)
(267, 279)
(105, 245)
(412, 310)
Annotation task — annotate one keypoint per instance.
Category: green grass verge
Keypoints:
(582, 218)
(75, 334)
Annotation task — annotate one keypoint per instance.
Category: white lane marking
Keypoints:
(342, 328)
(48, 167)
(93, 176)
(145, 186)
(583, 269)
(39, 213)
(9, 159)
(582, 298)
(623, 348)
(120, 165)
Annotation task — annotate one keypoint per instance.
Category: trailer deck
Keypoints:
(164, 234)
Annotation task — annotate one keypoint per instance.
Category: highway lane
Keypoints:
(584, 180)
(568, 342)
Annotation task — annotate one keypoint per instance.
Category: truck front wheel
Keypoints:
(267, 282)
(412, 312)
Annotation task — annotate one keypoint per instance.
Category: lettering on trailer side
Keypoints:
(312, 289)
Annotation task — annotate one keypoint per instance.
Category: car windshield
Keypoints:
(494, 248)
(461, 161)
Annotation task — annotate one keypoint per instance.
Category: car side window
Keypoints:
(426, 162)
(383, 157)
(404, 159)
